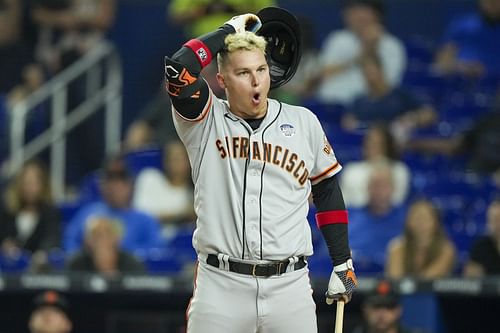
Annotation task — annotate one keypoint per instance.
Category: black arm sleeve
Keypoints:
(191, 99)
(327, 196)
(213, 40)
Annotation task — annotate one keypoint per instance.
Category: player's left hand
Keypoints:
(342, 283)
(245, 22)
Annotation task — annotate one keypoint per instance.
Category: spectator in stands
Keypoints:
(484, 256)
(423, 250)
(339, 75)
(382, 312)
(102, 253)
(167, 194)
(29, 220)
(20, 75)
(153, 127)
(202, 16)
(140, 230)
(385, 103)
(374, 225)
(378, 145)
(50, 314)
(470, 45)
(481, 144)
(69, 28)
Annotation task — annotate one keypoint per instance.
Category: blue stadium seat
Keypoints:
(462, 109)
(181, 245)
(428, 86)
(57, 259)
(419, 48)
(68, 210)
(160, 261)
(320, 265)
(89, 190)
(16, 264)
(347, 145)
(328, 114)
(147, 158)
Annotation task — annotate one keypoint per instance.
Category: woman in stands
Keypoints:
(423, 250)
(167, 194)
(29, 220)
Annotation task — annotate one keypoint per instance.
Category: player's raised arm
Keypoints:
(188, 91)
(331, 218)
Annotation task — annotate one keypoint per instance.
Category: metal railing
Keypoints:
(101, 69)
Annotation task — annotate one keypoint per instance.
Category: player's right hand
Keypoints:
(342, 283)
(245, 22)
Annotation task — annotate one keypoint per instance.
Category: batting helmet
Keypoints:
(282, 31)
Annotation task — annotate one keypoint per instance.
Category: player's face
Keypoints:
(382, 319)
(245, 77)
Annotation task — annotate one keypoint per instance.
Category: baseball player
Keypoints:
(254, 163)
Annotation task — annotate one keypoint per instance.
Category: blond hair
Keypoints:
(246, 40)
(410, 245)
(14, 200)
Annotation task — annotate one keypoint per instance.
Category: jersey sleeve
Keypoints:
(325, 161)
(194, 133)
(191, 130)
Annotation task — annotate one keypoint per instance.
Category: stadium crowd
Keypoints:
(416, 127)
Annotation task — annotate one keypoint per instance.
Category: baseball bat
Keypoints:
(339, 318)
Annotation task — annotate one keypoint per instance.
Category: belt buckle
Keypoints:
(278, 268)
(254, 266)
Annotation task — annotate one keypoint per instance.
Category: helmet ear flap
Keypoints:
(282, 32)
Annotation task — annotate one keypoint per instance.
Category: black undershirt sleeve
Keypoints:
(192, 106)
(327, 196)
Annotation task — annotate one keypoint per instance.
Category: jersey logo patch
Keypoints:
(202, 54)
(328, 147)
(287, 130)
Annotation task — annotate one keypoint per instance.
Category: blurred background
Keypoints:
(96, 194)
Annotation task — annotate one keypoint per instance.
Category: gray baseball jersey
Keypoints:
(252, 186)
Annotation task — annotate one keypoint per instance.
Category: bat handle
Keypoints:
(339, 318)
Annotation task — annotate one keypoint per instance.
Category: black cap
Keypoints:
(116, 167)
(383, 296)
(51, 298)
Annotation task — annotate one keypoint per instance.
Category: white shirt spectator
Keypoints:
(354, 182)
(343, 46)
(154, 194)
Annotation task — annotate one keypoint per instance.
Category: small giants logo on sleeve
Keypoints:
(328, 147)
(287, 130)
(202, 53)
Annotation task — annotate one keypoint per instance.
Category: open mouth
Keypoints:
(256, 98)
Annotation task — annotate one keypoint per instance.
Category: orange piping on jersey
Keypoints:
(202, 115)
(194, 290)
(326, 172)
